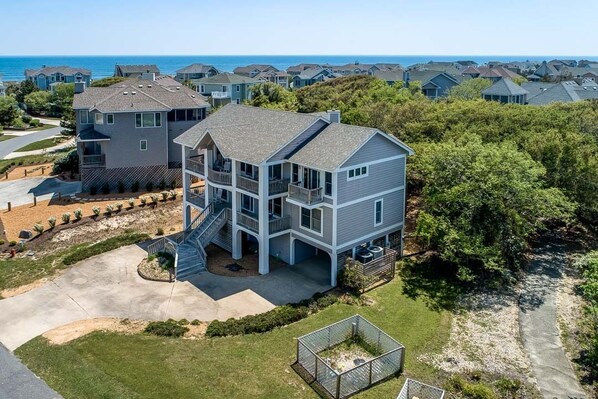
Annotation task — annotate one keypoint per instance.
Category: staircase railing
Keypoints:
(196, 222)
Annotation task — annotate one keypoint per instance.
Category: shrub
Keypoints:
(18, 124)
(1, 242)
(164, 195)
(162, 184)
(183, 322)
(93, 190)
(38, 228)
(169, 328)
(120, 186)
(268, 321)
(96, 210)
(104, 246)
(68, 163)
(154, 198)
(143, 200)
(109, 209)
(352, 279)
(105, 188)
(173, 184)
(26, 119)
(34, 123)
(131, 202)
(12, 243)
(118, 206)
(149, 187)
(52, 222)
(135, 186)
(172, 194)
(66, 217)
(195, 322)
(160, 231)
(78, 213)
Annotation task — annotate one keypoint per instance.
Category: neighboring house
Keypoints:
(278, 77)
(290, 186)
(506, 91)
(579, 74)
(390, 76)
(388, 67)
(125, 132)
(311, 76)
(434, 84)
(450, 68)
(354, 69)
(46, 77)
(568, 91)
(253, 70)
(135, 71)
(194, 72)
(298, 69)
(491, 73)
(227, 87)
(545, 71)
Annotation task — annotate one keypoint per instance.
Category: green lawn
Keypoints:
(110, 365)
(38, 145)
(4, 137)
(34, 159)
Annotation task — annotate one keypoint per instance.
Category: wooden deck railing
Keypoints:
(248, 221)
(305, 195)
(247, 184)
(93, 161)
(197, 197)
(279, 224)
(219, 177)
(278, 186)
(196, 164)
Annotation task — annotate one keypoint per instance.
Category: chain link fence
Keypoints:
(343, 384)
(415, 389)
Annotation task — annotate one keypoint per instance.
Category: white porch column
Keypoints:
(264, 260)
(333, 269)
(237, 243)
(186, 210)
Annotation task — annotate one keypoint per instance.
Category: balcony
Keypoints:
(305, 195)
(219, 177)
(247, 184)
(220, 94)
(279, 224)
(248, 221)
(197, 197)
(196, 164)
(278, 186)
(93, 161)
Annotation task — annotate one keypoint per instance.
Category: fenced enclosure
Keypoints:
(389, 359)
(374, 271)
(415, 389)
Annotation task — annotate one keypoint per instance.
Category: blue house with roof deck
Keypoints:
(47, 77)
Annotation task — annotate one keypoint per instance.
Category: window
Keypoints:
(143, 145)
(99, 118)
(224, 89)
(311, 219)
(328, 184)
(275, 172)
(378, 212)
(238, 101)
(110, 119)
(248, 170)
(148, 119)
(238, 88)
(357, 173)
(246, 203)
(295, 176)
(84, 116)
(202, 89)
(275, 207)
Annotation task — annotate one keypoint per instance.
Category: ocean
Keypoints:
(12, 67)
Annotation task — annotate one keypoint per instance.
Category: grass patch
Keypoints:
(111, 365)
(20, 271)
(32, 159)
(104, 246)
(4, 137)
(39, 145)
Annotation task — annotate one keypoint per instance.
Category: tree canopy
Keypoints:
(470, 89)
(38, 102)
(8, 110)
(274, 96)
(109, 81)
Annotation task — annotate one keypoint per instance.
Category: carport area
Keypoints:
(312, 262)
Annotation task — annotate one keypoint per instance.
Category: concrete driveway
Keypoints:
(108, 286)
(22, 191)
(8, 146)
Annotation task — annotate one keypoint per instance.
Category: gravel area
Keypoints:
(219, 262)
(485, 336)
(346, 356)
(151, 270)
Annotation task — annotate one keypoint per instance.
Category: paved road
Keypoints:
(18, 382)
(8, 146)
(108, 286)
(20, 192)
(538, 323)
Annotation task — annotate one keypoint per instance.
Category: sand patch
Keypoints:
(69, 332)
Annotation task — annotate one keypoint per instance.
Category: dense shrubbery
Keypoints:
(68, 163)
(109, 81)
(589, 327)
(104, 246)
(168, 328)
(278, 317)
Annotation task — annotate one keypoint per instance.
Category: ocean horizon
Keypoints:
(12, 68)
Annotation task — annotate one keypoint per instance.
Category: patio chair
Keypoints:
(226, 166)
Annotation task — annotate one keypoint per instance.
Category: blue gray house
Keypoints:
(434, 84)
(194, 72)
(292, 186)
(311, 76)
(125, 132)
(47, 77)
(506, 91)
(226, 87)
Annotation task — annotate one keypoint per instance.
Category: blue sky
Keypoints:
(231, 27)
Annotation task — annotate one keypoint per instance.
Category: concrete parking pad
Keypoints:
(22, 191)
(108, 286)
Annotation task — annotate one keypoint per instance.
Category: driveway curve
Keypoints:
(8, 146)
(108, 285)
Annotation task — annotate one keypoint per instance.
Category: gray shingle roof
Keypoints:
(141, 95)
(312, 73)
(505, 87)
(65, 70)
(568, 91)
(151, 68)
(196, 68)
(394, 75)
(248, 134)
(226, 78)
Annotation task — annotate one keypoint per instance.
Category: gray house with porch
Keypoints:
(125, 132)
(290, 186)
(226, 88)
(47, 77)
